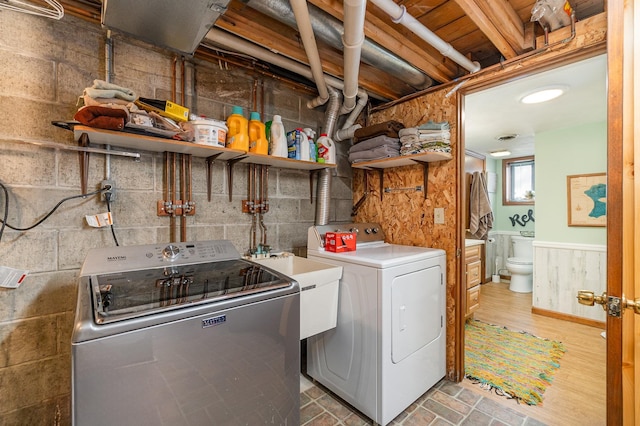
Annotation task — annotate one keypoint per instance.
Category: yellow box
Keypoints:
(165, 108)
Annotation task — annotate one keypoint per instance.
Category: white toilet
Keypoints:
(520, 266)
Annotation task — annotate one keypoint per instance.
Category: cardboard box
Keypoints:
(340, 241)
(164, 108)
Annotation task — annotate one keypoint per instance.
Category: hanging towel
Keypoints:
(481, 216)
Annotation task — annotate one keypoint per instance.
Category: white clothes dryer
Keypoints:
(389, 345)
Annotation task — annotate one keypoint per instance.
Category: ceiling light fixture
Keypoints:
(501, 153)
(543, 95)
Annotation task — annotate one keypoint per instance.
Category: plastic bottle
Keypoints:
(293, 144)
(326, 149)
(303, 142)
(313, 151)
(278, 138)
(257, 137)
(238, 130)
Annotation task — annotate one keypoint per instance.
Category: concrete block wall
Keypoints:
(44, 67)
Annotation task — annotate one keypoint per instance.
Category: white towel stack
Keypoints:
(428, 137)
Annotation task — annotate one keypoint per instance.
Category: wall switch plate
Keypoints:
(438, 215)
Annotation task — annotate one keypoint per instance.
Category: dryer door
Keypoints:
(415, 318)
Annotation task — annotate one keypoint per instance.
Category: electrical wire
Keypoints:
(107, 197)
(15, 228)
(6, 209)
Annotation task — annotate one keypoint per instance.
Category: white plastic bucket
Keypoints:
(209, 132)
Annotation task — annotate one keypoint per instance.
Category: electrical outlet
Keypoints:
(112, 190)
(438, 216)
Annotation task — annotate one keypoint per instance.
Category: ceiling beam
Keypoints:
(499, 22)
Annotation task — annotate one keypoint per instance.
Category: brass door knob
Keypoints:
(586, 297)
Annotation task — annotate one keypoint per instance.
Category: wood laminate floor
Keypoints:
(577, 395)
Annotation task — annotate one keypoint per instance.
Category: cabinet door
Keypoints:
(473, 299)
(474, 272)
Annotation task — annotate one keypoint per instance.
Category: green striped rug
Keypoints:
(516, 364)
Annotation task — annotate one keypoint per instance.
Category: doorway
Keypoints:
(547, 138)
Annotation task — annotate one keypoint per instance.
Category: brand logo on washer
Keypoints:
(210, 322)
(116, 258)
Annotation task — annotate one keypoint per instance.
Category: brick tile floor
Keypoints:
(445, 404)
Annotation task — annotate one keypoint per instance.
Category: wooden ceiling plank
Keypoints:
(488, 26)
(506, 21)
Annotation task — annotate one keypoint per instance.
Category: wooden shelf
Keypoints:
(157, 144)
(403, 160)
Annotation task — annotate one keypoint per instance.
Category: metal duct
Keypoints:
(323, 192)
(330, 30)
(166, 23)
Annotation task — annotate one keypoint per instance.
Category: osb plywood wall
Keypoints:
(406, 216)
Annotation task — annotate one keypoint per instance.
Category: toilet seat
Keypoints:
(519, 261)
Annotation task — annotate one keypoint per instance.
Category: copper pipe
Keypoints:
(183, 196)
(173, 78)
(262, 101)
(189, 177)
(165, 176)
(182, 83)
(172, 219)
(204, 53)
(254, 95)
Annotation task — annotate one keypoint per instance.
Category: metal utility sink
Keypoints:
(318, 290)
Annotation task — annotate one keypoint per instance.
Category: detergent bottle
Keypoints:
(303, 142)
(257, 137)
(326, 149)
(313, 151)
(278, 138)
(238, 130)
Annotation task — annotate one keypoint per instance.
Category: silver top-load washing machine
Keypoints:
(184, 334)
(388, 346)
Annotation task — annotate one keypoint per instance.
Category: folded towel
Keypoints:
(389, 128)
(420, 147)
(101, 84)
(375, 142)
(434, 125)
(102, 117)
(383, 151)
(425, 134)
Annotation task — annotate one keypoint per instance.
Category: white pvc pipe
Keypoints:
(399, 15)
(301, 12)
(352, 39)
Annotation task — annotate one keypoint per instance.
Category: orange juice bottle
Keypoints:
(258, 143)
(238, 130)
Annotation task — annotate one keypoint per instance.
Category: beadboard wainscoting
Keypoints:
(560, 270)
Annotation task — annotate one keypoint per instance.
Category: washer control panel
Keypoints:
(128, 258)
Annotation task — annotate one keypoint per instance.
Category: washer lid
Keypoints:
(125, 295)
(520, 261)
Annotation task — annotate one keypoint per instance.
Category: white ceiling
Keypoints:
(498, 110)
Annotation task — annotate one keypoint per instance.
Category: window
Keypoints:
(518, 181)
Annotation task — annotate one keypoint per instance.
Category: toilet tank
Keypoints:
(522, 246)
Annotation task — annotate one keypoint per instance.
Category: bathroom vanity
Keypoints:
(473, 262)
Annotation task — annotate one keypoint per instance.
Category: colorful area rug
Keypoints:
(515, 364)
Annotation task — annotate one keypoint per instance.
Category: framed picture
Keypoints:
(587, 199)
